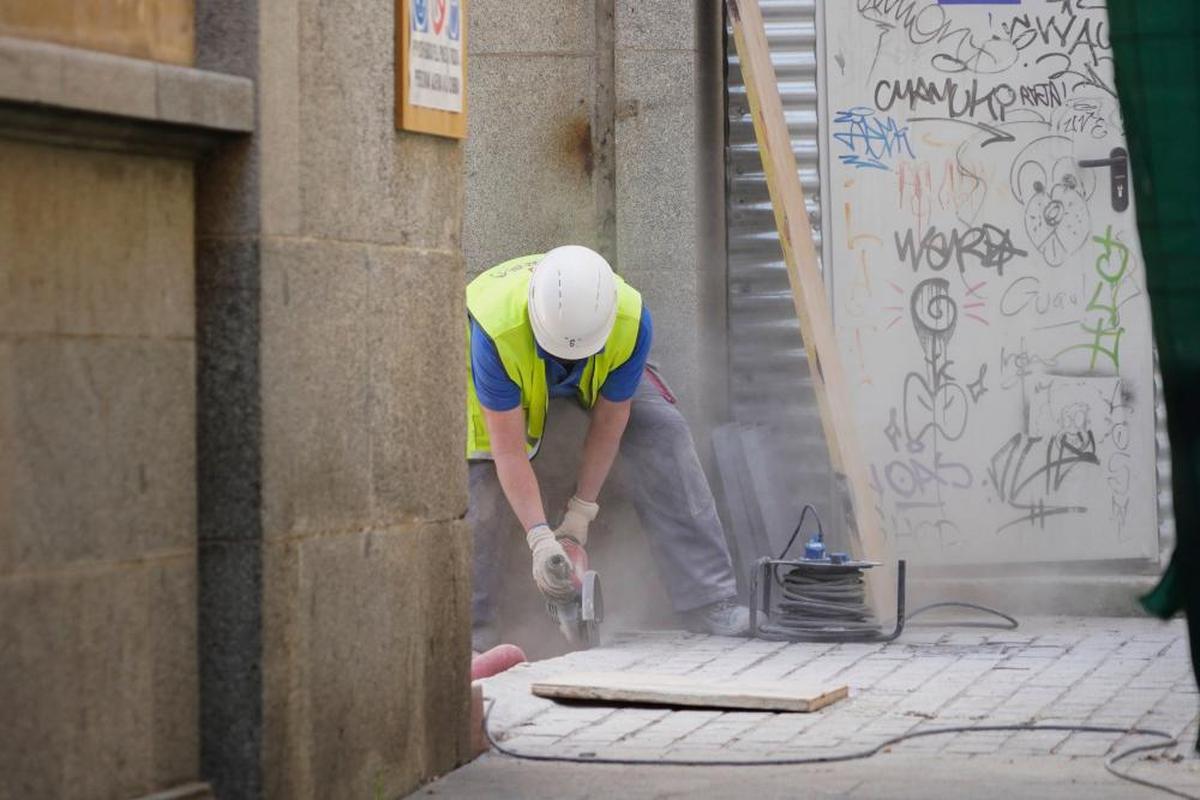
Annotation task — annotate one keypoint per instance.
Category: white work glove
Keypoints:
(574, 523)
(543, 545)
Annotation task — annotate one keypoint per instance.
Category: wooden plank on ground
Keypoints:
(682, 690)
(810, 297)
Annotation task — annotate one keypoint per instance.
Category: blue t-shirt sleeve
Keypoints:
(496, 391)
(623, 381)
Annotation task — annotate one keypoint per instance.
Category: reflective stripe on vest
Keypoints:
(498, 301)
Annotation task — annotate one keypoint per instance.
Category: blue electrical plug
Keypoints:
(815, 549)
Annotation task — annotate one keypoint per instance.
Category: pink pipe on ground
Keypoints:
(496, 660)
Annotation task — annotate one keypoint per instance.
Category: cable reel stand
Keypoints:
(822, 596)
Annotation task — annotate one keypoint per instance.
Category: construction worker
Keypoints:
(563, 325)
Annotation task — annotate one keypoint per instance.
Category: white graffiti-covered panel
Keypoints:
(987, 283)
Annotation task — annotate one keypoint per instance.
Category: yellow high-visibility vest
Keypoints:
(498, 301)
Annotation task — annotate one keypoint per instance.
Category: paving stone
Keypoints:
(1011, 638)
(557, 728)
(1187, 737)
(965, 639)
(914, 673)
(781, 729)
(699, 753)
(868, 673)
(713, 735)
(930, 744)
(1177, 720)
(619, 725)
(1069, 713)
(1042, 651)
(821, 669)
(888, 727)
(971, 708)
(1033, 742)
(528, 742)
(798, 746)
(1086, 744)
(1058, 640)
(975, 743)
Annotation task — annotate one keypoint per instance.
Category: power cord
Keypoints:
(1009, 624)
(804, 512)
(1168, 741)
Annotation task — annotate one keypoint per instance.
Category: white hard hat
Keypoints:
(572, 302)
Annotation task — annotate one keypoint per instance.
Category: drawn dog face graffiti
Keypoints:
(1054, 192)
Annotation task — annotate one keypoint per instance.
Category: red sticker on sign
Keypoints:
(439, 16)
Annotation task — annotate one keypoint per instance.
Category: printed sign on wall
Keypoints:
(431, 68)
(988, 288)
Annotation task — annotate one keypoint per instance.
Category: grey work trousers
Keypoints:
(668, 490)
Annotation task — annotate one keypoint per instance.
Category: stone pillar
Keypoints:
(98, 665)
(97, 504)
(333, 559)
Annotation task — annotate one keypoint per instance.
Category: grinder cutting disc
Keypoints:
(579, 618)
(591, 602)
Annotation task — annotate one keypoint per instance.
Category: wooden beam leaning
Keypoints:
(811, 300)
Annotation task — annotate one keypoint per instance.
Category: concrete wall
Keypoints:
(530, 155)
(670, 207)
(334, 581)
(97, 473)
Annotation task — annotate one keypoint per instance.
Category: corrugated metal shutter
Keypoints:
(769, 372)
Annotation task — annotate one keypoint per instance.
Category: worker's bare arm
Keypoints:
(506, 431)
(600, 447)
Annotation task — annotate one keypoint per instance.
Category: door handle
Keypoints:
(1118, 173)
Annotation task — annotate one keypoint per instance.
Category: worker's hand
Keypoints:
(575, 521)
(551, 567)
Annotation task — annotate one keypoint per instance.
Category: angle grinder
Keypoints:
(578, 618)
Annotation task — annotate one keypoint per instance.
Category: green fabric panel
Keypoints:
(1156, 47)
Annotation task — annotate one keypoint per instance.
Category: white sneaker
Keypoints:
(722, 618)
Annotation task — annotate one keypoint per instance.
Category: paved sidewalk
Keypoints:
(1119, 672)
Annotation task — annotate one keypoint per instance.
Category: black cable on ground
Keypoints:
(857, 755)
(1010, 623)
